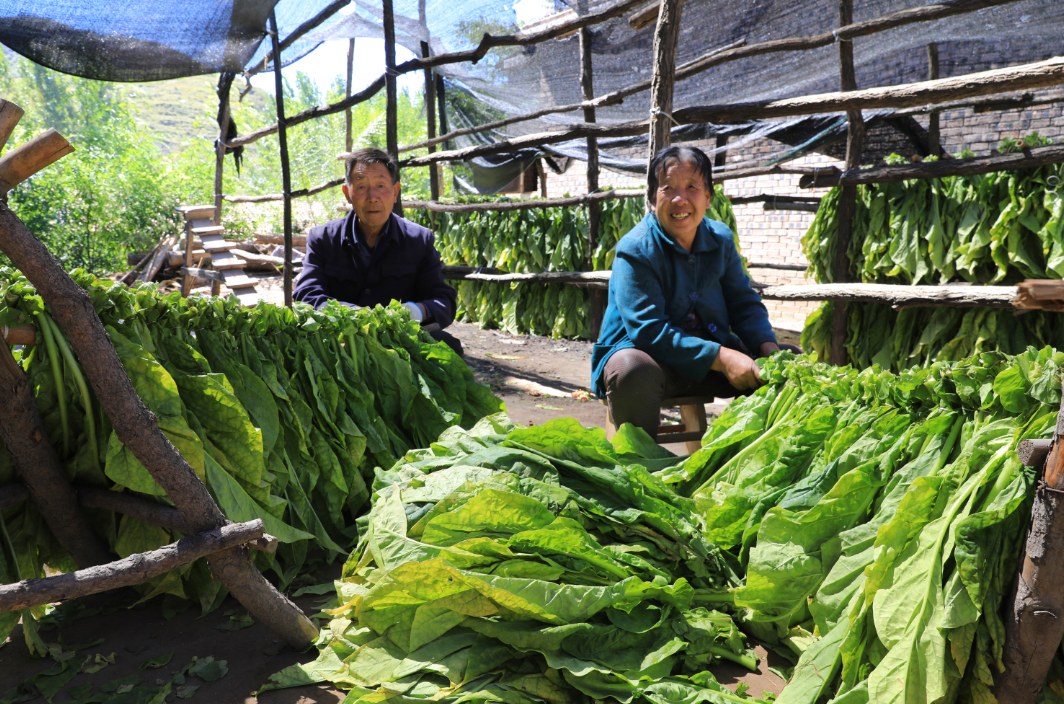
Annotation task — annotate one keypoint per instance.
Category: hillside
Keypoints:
(184, 108)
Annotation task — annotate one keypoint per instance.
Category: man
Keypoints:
(374, 256)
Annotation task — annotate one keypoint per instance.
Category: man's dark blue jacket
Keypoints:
(404, 266)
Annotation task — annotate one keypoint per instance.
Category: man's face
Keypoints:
(681, 200)
(372, 194)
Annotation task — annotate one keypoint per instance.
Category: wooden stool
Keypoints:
(689, 431)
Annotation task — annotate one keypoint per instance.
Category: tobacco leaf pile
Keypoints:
(282, 413)
(865, 525)
(995, 228)
(533, 241)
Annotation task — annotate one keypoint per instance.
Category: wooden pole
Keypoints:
(430, 123)
(1036, 625)
(225, 82)
(347, 94)
(666, 37)
(10, 114)
(848, 196)
(39, 468)
(138, 429)
(135, 569)
(594, 212)
(286, 171)
(27, 159)
(934, 138)
(391, 116)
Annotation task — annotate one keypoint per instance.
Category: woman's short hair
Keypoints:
(370, 156)
(689, 155)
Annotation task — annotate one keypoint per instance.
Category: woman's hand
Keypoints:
(741, 371)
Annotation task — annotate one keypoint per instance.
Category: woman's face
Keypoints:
(681, 200)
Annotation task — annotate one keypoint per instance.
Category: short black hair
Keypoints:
(369, 155)
(690, 155)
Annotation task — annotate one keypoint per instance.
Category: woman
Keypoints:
(680, 304)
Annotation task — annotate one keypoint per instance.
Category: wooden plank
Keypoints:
(248, 296)
(226, 261)
(209, 274)
(256, 257)
(216, 243)
(268, 238)
(197, 212)
(1044, 294)
(236, 278)
(209, 230)
(200, 224)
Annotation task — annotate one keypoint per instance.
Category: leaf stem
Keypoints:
(57, 377)
(79, 379)
(745, 660)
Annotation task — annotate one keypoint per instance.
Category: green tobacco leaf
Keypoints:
(208, 669)
(156, 662)
(239, 507)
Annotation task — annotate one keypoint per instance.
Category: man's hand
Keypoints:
(742, 372)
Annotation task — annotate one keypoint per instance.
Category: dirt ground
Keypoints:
(511, 365)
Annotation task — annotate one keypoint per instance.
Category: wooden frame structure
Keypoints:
(45, 481)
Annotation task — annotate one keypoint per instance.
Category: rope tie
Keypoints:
(656, 112)
(835, 33)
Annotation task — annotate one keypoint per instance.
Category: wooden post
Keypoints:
(594, 211)
(22, 162)
(39, 468)
(348, 143)
(441, 112)
(391, 108)
(10, 114)
(430, 123)
(934, 138)
(286, 172)
(722, 156)
(1036, 625)
(848, 196)
(666, 36)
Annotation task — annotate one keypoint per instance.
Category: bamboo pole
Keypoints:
(848, 196)
(594, 212)
(27, 159)
(135, 569)
(286, 171)
(934, 138)
(1035, 626)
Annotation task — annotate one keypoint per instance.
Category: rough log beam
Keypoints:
(1043, 294)
(22, 335)
(615, 98)
(298, 193)
(898, 296)
(137, 428)
(298, 32)
(27, 159)
(1042, 74)
(10, 114)
(286, 171)
(38, 466)
(153, 513)
(740, 50)
(487, 43)
(1026, 159)
(1036, 624)
(135, 569)
(663, 79)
